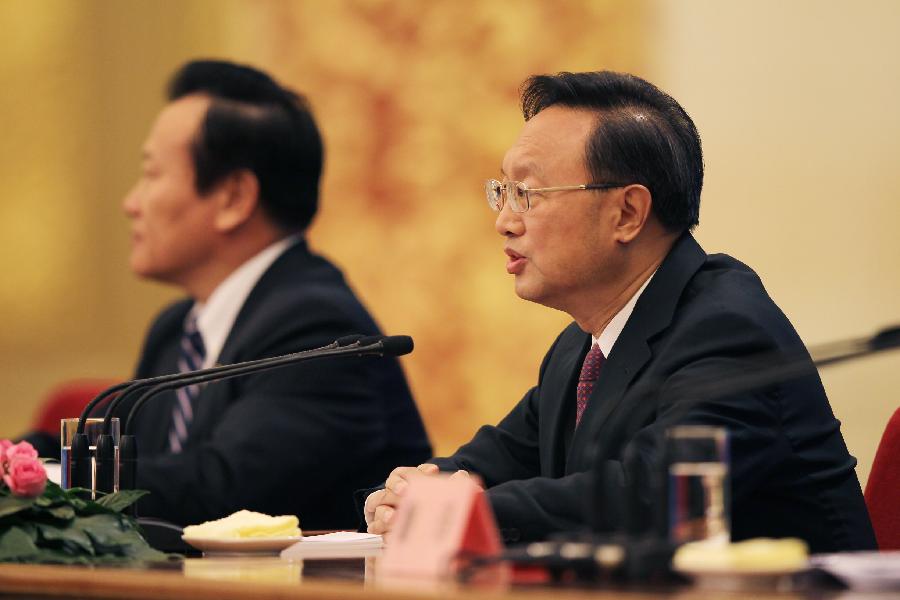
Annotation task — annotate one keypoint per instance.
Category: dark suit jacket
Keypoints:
(296, 440)
(700, 316)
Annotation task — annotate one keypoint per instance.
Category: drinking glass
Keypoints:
(699, 487)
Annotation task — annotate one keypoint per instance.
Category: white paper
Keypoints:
(341, 544)
(862, 570)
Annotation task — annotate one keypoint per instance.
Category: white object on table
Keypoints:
(341, 544)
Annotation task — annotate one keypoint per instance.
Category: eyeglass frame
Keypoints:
(523, 187)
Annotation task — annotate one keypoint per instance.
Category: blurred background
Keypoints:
(797, 103)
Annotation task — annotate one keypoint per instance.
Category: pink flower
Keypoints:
(26, 476)
(4, 446)
(22, 449)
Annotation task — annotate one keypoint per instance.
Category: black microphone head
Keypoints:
(886, 339)
(397, 345)
(348, 339)
(370, 339)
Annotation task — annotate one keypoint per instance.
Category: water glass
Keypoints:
(699, 486)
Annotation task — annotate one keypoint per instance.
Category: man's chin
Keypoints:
(144, 271)
(527, 292)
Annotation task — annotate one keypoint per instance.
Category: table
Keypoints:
(268, 577)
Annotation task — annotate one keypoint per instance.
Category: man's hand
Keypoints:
(380, 505)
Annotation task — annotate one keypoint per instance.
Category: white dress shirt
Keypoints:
(610, 333)
(216, 316)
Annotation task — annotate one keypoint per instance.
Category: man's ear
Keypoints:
(237, 198)
(635, 204)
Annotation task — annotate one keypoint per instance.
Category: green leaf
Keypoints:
(10, 505)
(121, 500)
(60, 557)
(68, 536)
(106, 531)
(65, 513)
(54, 492)
(15, 544)
(60, 527)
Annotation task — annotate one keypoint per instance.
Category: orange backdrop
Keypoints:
(417, 101)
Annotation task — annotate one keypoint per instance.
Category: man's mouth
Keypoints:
(515, 262)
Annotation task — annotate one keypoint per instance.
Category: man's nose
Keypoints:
(130, 203)
(509, 223)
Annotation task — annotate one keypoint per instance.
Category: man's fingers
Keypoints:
(428, 469)
(372, 501)
(381, 524)
(396, 481)
(390, 499)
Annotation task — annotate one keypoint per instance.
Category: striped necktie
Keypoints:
(590, 371)
(190, 358)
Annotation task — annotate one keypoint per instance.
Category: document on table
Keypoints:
(862, 570)
(341, 544)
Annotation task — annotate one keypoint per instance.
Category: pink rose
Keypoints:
(26, 476)
(22, 449)
(4, 446)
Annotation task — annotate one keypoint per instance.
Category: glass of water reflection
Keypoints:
(699, 486)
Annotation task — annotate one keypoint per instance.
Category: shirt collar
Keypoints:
(610, 333)
(216, 316)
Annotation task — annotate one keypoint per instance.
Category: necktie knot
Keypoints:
(590, 369)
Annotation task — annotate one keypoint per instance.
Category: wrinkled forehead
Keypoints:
(550, 145)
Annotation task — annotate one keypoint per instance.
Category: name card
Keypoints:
(439, 518)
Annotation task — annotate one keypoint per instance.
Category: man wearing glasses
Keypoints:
(596, 202)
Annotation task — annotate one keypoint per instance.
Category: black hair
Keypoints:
(254, 123)
(642, 136)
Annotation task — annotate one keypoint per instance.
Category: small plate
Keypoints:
(271, 545)
(778, 579)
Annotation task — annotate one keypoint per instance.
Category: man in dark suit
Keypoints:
(596, 203)
(229, 183)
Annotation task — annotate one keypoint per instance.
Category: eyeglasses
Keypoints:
(498, 193)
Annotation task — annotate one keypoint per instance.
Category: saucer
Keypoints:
(270, 545)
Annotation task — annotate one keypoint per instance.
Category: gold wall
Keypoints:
(417, 102)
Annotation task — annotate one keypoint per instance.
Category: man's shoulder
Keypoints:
(303, 286)
(301, 301)
(725, 296)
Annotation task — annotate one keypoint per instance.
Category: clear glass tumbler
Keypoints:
(699, 485)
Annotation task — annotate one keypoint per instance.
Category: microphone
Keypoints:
(357, 346)
(635, 550)
(80, 456)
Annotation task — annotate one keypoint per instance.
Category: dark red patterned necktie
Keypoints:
(590, 371)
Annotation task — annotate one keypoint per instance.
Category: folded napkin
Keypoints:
(245, 524)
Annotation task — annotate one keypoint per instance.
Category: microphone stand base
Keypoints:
(599, 559)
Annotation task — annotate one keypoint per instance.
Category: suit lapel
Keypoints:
(285, 266)
(245, 331)
(652, 314)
